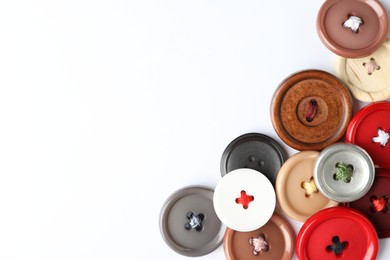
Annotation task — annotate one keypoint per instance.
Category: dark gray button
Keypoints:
(188, 222)
(254, 151)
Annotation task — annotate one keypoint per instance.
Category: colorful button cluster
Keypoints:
(339, 190)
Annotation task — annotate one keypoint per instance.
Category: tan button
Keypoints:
(367, 78)
(297, 194)
(275, 240)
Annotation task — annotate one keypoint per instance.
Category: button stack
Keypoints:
(338, 189)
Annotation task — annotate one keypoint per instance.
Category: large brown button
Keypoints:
(352, 28)
(367, 78)
(311, 110)
(275, 240)
(296, 191)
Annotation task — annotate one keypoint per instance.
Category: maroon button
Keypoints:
(274, 240)
(375, 204)
(352, 28)
(370, 129)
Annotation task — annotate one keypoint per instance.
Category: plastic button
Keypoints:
(311, 110)
(254, 151)
(188, 222)
(244, 200)
(352, 28)
(367, 78)
(344, 172)
(337, 233)
(370, 129)
(375, 204)
(296, 191)
(275, 240)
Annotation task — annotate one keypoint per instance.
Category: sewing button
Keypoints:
(370, 129)
(188, 222)
(367, 78)
(274, 240)
(254, 151)
(296, 191)
(344, 172)
(311, 110)
(352, 28)
(335, 233)
(244, 200)
(375, 204)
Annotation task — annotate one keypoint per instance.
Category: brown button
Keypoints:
(311, 110)
(275, 240)
(352, 28)
(367, 78)
(296, 191)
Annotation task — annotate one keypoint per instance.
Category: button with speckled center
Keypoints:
(310, 110)
(352, 28)
(275, 240)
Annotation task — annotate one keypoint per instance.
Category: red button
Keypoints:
(336, 233)
(370, 129)
(375, 204)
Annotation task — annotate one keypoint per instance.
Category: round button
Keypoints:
(335, 233)
(375, 203)
(296, 191)
(275, 240)
(188, 222)
(367, 78)
(352, 28)
(311, 110)
(254, 151)
(370, 129)
(244, 200)
(344, 172)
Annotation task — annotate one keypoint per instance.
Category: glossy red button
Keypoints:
(337, 233)
(375, 204)
(370, 129)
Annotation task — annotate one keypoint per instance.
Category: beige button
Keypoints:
(367, 78)
(296, 192)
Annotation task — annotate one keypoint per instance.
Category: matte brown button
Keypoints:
(352, 28)
(275, 240)
(367, 78)
(311, 110)
(296, 191)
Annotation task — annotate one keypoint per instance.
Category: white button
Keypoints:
(244, 200)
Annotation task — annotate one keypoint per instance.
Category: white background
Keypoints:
(107, 107)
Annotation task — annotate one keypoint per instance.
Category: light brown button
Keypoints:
(311, 110)
(367, 78)
(352, 28)
(297, 194)
(275, 240)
